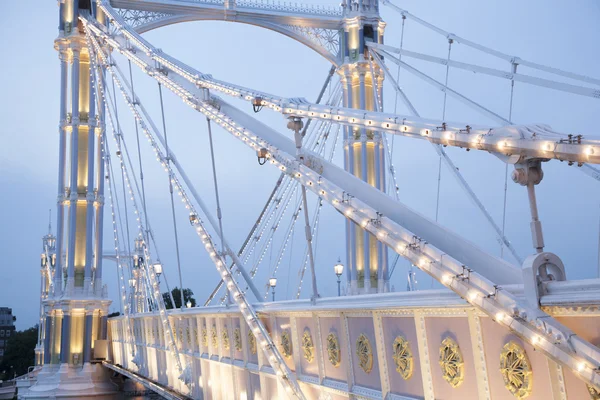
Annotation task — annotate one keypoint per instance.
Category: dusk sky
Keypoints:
(559, 33)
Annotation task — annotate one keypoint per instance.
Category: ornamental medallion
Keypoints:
(516, 370)
(403, 357)
(451, 362)
(364, 353)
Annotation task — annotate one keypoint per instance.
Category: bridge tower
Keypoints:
(363, 148)
(75, 304)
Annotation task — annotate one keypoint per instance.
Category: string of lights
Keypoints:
(550, 337)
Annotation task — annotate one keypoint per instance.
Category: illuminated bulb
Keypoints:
(580, 367)
(446, 279)
(472, 295)
(589, 151)
(535, 340)
(500, 316)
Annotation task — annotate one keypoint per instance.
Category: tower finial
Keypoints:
(49, 221)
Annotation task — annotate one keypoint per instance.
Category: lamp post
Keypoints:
(273, 283)
(339, 270)
(158, 270)
(132, 294)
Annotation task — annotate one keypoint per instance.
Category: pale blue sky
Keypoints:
(559, 33)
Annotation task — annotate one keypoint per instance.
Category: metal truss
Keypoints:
(317, 27)
(139, 18)
(369, 208)
(326, 38)
(289, 7)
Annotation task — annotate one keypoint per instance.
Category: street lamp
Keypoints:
(158, 270)
(339, 270)
(273, 283)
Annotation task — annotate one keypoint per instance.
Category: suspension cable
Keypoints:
(168, 160)
(149, 234)
(249, 237)
(121, 144)
(120, 275)
(119, 137)
(148, 268)
(510, 109)
(137, 137)
(439, 180)
(214, 170)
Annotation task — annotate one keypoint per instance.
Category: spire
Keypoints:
(49, 221)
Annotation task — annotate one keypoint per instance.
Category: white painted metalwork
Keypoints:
(551, 337)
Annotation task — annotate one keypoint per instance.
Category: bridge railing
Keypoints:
(371, 345)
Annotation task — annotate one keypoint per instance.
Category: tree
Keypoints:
(187, 295)
(20, 353)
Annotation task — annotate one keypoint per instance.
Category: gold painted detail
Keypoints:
(213, 336)
(204, 336)
(403, 357)
(516, 370)
(252, 342)
(594, 393)
(333, 350)
(188, 336)
(286, 344)
(451, 362)
(225, 338)
(364, 353)
(308, 347)
(237, 339)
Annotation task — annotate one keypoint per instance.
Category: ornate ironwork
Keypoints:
(333, 350)
(364, 353)
(204, 335)
(451, 362)
(326, 38)
(286, 344)
(213, 336)
(271, 5)
(225, 338)
(136, 18)
(188, 336)
(516, 370)
(308, 347)
(403, 357)
(252, 342)
(237, 339)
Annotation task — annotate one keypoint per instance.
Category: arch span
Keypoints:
(249, 20)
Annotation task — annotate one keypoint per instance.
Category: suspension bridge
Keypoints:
(501, 327)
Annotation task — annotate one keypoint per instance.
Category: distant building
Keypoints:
(7, 328)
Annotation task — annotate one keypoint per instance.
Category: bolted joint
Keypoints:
(295, 123)
(538, 269)
(528, 173)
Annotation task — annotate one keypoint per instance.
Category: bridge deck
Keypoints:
(344, 347)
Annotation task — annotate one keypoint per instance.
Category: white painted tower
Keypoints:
(74, 300)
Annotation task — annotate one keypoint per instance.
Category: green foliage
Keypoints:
(187, 295)
(19, 354)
